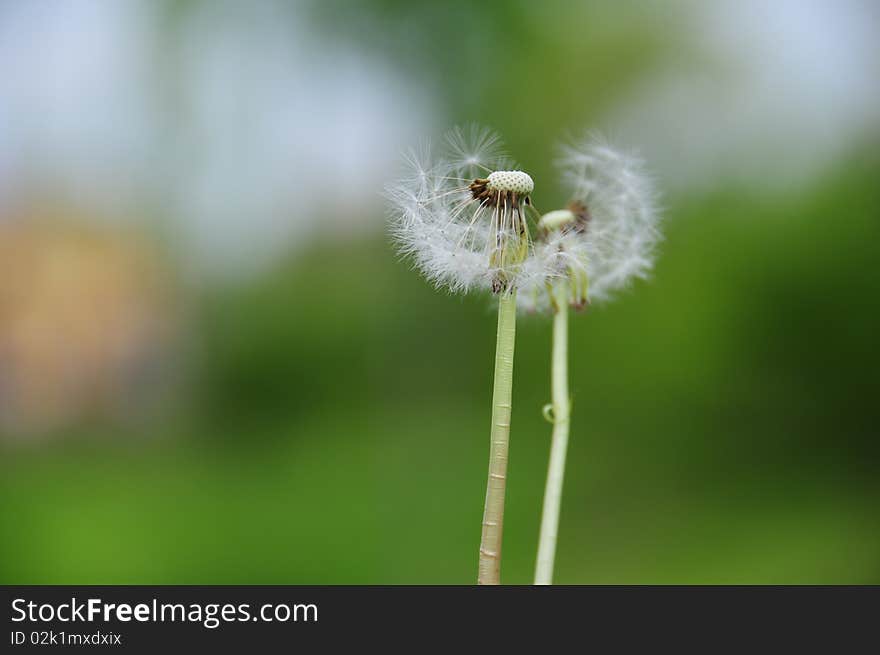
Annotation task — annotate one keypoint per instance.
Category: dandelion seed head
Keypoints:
(460, 214)
(607, 236)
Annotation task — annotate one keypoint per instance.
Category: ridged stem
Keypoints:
(493, 514)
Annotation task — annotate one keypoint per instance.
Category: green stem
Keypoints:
(493, 514)
(559, 444)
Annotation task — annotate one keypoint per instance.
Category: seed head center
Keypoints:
(517, 182)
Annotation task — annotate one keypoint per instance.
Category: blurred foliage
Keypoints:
(532, 71)
(724, 426)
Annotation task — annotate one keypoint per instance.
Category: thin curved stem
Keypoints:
(559, 443)
(493, 513)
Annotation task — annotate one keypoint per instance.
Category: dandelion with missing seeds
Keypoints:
(598, 244)
(462, 215)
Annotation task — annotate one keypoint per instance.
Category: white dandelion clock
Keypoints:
(605, 238)
(463, 216)
(598, 244)
(617, 210)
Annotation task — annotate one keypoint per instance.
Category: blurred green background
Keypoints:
(215, 369)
